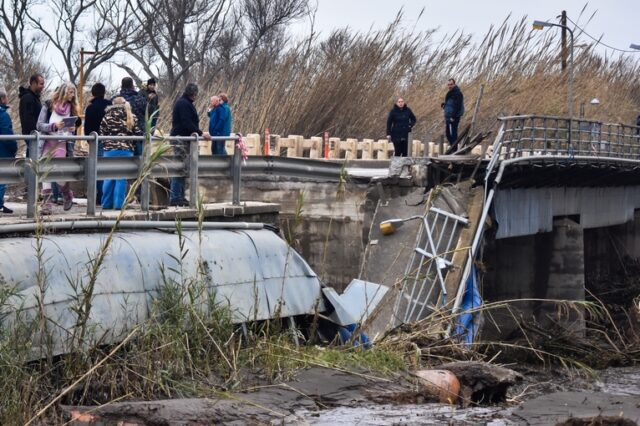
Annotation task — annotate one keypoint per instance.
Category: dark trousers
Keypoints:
(177, 183)
(452, 129)
(400, 147)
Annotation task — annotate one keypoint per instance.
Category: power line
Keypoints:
(598, 41)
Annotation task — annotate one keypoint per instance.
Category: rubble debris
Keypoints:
(481, 382)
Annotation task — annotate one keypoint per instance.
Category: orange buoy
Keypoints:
(442, 384)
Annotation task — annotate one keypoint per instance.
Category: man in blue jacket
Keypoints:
(185, 122)
(453, 106)
(220, 121)
(8, 148)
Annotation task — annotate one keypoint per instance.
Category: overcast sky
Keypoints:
(617, 21)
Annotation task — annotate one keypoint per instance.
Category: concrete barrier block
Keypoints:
(365, 148)
(333, 147)
(297, 148)
(315, 147)
(252, 141)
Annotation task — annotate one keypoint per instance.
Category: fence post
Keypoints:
(236, 172)
(193, 170)
(31, 167)
(91, 174)
(145, 191)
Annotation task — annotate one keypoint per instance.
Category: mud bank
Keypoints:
(321, 396)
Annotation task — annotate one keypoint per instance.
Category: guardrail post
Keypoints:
(145, 191)
(91, 174)
(30, 176)
(236, 172)
(193, 171)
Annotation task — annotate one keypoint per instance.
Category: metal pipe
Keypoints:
(91, 174)
(31, 174)
(193, 171)
(124, 224)
(237, 164)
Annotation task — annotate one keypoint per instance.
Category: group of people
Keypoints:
(401, 119)
(126, 114)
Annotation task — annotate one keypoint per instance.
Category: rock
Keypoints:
(441, 384)
(482, 383)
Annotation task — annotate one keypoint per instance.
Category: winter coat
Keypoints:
(138, 105)
(29, 109)
(114, 123)
(152, 103)
(44, 125)
(185, 121)
(7, 148)
(227, 119)
(94, 114)
(400, 122)
(454, 103)
(220, 120)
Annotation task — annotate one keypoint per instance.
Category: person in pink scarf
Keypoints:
(62, 105)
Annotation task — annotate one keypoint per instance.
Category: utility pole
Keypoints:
(563, 54)
(81, 85)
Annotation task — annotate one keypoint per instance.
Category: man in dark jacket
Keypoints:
(185, 122)
(138, 106)
(453, 106)
(30, 104)
(399, 124)
(93, 116)
(7, 148)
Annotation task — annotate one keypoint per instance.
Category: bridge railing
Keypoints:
(189, 164)
(533, 135)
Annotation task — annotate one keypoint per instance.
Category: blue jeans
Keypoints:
(217, 148)
(114, 191)
(3, 188)
(178, 183)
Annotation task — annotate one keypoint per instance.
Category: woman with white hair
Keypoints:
(51, 121)
(119, 120)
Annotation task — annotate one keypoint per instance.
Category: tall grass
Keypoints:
(346, 83)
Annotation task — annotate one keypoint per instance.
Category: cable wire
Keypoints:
(598, 41)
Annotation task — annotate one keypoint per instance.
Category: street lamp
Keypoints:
(635, 46)
(539, 25)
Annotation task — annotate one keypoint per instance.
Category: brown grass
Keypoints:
(347, 83)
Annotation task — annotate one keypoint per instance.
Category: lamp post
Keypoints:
(81, 85)
(634, 46)
(539, 25)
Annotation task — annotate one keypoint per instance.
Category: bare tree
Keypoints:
(267, 18)
(174, 35)
(181, 40)
(107, 30)
(18, 47)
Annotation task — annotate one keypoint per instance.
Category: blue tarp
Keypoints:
(469, 318)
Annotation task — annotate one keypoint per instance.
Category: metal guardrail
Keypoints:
(533, 135)
(192, 166)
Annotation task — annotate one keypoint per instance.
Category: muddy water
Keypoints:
(544, 399)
